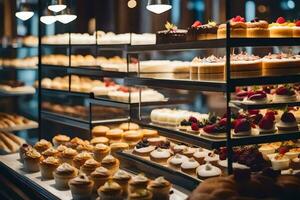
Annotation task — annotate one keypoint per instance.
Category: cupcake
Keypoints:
(110, 163)
(122, 178)
(129, 126)
(74, 143)
(50, 152)
(114, 134)
(63, 174)
(100, 176)
(208, 171)
(61, 148)
(200, 154)
(141, 194)
(178, 148)
(31, 160)
(60, 139)
(118, 146)
(48, 166)
(100, 151)
(176, 161)
(160, 155)
(189, 166)
(110, 191)
(81, 187)
(212, 158)
(188, 152)
(149, 133)
(23, 149)
(160, 188)
(89, 166)
(80, 159)
(42, 145)
(67, 156)
(143, 148)
(85, 148)
(99, 131)
(138, 182)
(100, 140)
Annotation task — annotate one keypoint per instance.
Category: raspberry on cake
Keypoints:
(281, 28)
(258, 29)
(287, 122)
(238, 28)
(199, 31)
(285, 94)
(217, 130)
(296, 29)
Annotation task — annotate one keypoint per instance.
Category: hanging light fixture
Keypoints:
(158, 6)
(48, 18)
(25, 12)
(65, 16)
(57, 6)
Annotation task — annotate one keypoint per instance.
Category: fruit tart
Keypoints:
(217, 130)
(238, 28)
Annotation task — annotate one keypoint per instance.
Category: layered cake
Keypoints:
(171, 35)
(199, 31)
(245, 62)
(296, 29)
(281, 28)
(258, 29)
(238, 28)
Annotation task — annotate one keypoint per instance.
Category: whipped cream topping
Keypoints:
(208, 170)
(243, 56)
(178, 159)
(191, 163)
(160, 153)
(200, 153)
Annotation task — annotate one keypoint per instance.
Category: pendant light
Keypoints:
(24, 13)
(57, 6)
(158, 6)
(65, 16)
(48, 18)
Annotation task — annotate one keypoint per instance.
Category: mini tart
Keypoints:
(74, 143)
(280, 162)
(99, 140)
(23, 149)
(208, 171)
(110, 191)
(85, 148)
(100, 151)
(155, 141)
(80, 159)
(295, 163)
(281, 30)
(287, 126)
(143, 151)
(42, 145)
(160, 155)
(212, 158)
(81, 187)
(178, 148)
(129, 126)
(60, 139)
(160, 188)
(200, 154)
(176, 161)
(149, 133)
(293, 153)
(258, 29)
(31, 160)
(138, 182)
(188, 151)
(67, 156)
(50, 152)
(267, 131)
(141, 194)
(99, 131)
(89, 166)
(110, 163)
(132, 136)
(122, 178)
(48, 166)
(266, 149)
(114, 134)
(118, 146)
(63, 174)
(189, 166)
(100, 176)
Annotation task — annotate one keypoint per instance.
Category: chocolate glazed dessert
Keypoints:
(171, 35)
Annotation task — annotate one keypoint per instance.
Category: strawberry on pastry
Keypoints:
(287, 122)
(284, 94)
(242, 128)
(257, 97)
(296, 29)
(267, 124)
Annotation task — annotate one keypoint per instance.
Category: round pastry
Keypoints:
(67, 156)
(80, 159)
(74, 143)
(122, 178)
(200, 155)
(160, 188)
(110, 163)
(242, 127)
(100, 176)
(258, 29)
(160, 155)
(143, 148)
(284, 94)
(176, 161)
(100, 151)
(212, 158)
(141, 194)
(138, 182)
(23, 149)
(61, 148)
(156, 141)
(89, 166)
(118, 146)
(31, 160)
(132, 136)
(100, 140)
(208, 171)
(178, 148)
(48, 166)
(81, 187)
(99, 131)
(85, 148)
(287, 123)
(280, 162)
(114, 134)
(149, 133)
(188, 152)
(129, 126)
(50, 152)
(60, 139)
(110, 191)
(42, 145)
(189, 166)
(63, 174)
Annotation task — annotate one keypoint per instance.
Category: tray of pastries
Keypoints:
(13, 122)
(15, 87)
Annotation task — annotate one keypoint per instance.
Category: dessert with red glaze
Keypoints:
(171, 35)
(258, 29)
(281, 28)
(285, 94)
(257, 97)
(287, 122)
(199, 31)
(242, 127)
(238, 28)
(241, 94)
(296, 29)
(267, 124)
(217, 130)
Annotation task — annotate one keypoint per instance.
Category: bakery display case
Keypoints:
(212, 103)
